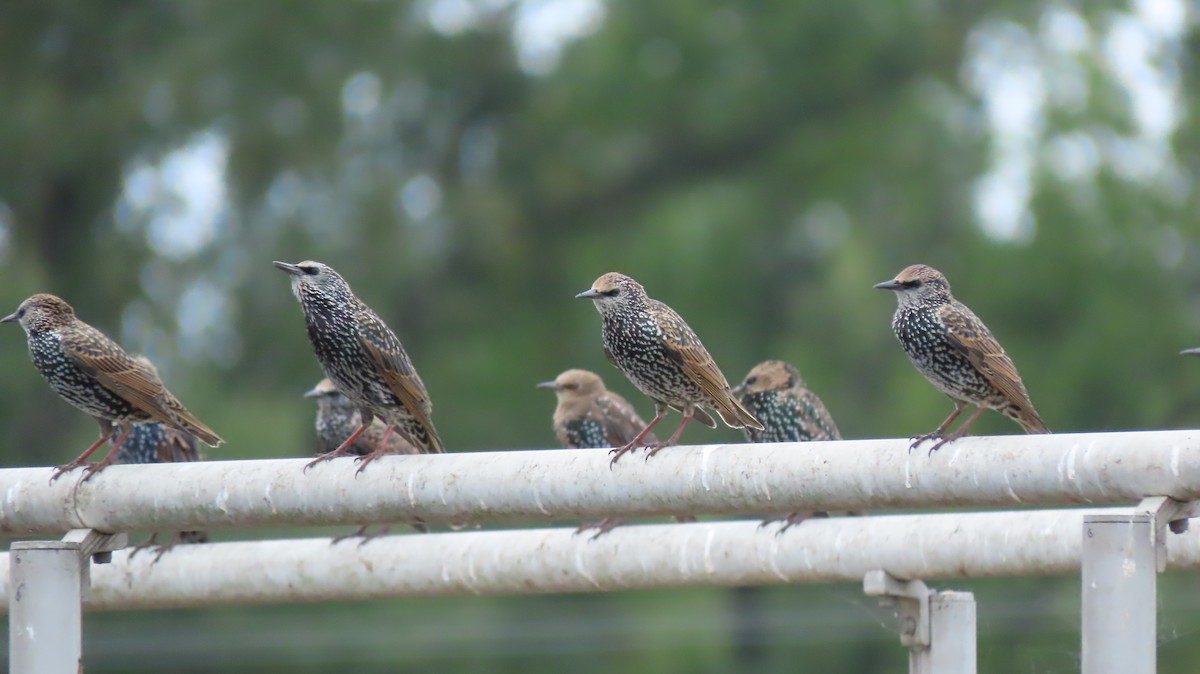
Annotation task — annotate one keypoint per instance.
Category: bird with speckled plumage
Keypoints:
(776, 395)
(156, 443)
(589, 416)
(365, 361)
(94, 374)
(337, 419)
(663, 358)
(956, 353)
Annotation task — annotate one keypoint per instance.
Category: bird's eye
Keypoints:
(611, 293)
(751, 381)
(21, 313)
(570, 387)
(311, 271)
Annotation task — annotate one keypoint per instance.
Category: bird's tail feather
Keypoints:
(733, 414)
(1032, 423)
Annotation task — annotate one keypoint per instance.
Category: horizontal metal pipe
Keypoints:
(705, 554)
(1044, 470)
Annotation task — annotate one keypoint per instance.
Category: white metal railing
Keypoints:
(1001, 471)
(531, 561)
(1117, 551)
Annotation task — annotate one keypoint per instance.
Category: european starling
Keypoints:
(663, 358)
(956, 352)
(590, 416)
(155, 443)
(776, 395)
(364, 360)
(337, 419)
(93, 373)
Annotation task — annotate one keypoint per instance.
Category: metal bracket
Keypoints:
(912, 597)
(94, 546)
(1167, 513)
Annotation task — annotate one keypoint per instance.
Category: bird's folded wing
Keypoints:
(116, 370)
(393, 364)
(971, 337)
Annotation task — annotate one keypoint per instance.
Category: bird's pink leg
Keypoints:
(108, 460)
(937, 433)
(82, 460)
(342, 450)
(637, 442)
(380, 450)
(960, 431)
(602, 527)
(671, 440)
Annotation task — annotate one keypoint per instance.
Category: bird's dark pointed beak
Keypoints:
(589, 294)
(886, 285)
(11, 318)
(1185, 352)
(548, 384)
(289, 268)
(313, 393)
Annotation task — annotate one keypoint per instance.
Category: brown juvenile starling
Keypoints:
(589, 416)
(364, 360)
(957, 354)
(337, 419)
(93, 373)
(663, 358)
(776, 395)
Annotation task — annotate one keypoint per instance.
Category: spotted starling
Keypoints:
(776, 395)
(956, 352)
(338, 418)
(93, 373)
(155, 443)
(364, 360)
(590, 416)
(663, 358)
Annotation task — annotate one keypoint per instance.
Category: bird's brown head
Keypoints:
(41, 313)
(575, 384)
(612, 292)
(918, 283)
(311, 278)
(769, 375)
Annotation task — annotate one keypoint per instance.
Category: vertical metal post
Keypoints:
(937, 627)
(951, 636)
(45, 608)
(1119, 603)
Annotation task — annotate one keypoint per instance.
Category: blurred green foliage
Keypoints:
(757, 165)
